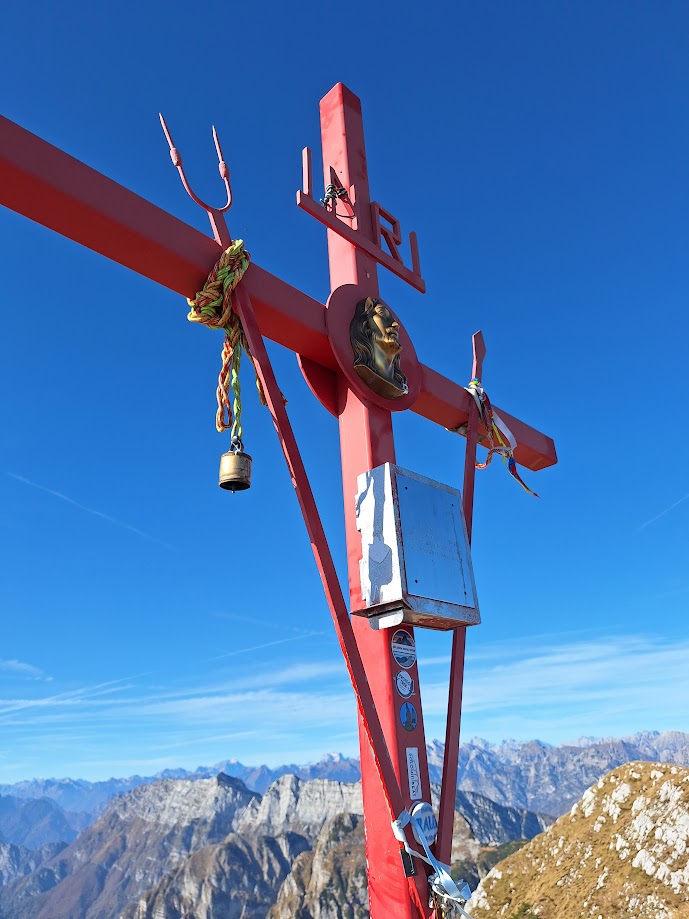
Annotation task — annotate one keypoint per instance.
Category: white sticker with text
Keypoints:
(414, 773)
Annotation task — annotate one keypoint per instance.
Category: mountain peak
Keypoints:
(621, 850)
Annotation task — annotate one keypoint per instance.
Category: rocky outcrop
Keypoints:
(328, 882)
(242, 876)
(623, 850)
(495, 824)
(212, 848)
(90, 798)
(237, 879)
(18, 861)
(291, 804)
(332, 766)
(138, 838)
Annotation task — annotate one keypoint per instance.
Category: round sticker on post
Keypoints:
(404, 649)
(409, 717)
(425, 822)
(404, 684)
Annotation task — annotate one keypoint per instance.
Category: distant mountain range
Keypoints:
(531, 775)
(211, 847)
(206, 844)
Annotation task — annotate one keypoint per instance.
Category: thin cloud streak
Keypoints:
(268, 644)
(251, 620)
(90, 510)
(105, 701)
(590, 685)
(87, 693)
(615, 685)
(26, 670)
(663, 513)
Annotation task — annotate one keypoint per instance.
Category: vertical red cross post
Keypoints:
(52, 188)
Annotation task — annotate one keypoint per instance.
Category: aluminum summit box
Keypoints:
(416, 564)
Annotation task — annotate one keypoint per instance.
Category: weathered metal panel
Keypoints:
(415, 551)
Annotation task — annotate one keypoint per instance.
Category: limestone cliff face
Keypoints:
(18, 861)
(241, 876)
(291, 804)
(318, 828)
(494, 824)
(328, 882)
(237, 879)
(530, 775)
(622, 851)
(210, 848)
(138, 838)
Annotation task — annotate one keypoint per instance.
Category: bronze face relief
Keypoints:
(373, 333)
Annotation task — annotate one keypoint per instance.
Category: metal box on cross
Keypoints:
(416, 563)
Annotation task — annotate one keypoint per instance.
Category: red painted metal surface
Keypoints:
(356, 231)
(448, 787)
(366, 441)
(56, 190)
(216, 215)
(321, 382)
(321, 550)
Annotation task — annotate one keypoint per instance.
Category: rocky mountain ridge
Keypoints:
(547, 779)
(531, 775)
(622, 850)
(212, 847)
(328, 881)
(237, 879)
(137, 839)
(193, 844)
(18, 861)
(35, 822)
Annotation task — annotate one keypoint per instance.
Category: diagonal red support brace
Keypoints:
(448, 789)
(321, 551)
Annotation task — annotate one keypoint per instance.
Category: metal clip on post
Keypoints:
(443, 888)
(215, 214)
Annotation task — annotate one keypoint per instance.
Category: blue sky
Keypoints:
(540, 152)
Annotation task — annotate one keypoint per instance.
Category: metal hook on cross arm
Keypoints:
(215, 214)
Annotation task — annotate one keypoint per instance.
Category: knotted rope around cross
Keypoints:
(212, 307)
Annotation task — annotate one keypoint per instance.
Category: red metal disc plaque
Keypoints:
(339, 313)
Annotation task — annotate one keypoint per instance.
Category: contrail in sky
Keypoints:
(268, 644)
(269, 625)
(90, 510)
(662, 513)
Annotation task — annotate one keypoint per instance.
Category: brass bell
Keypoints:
(235, 471)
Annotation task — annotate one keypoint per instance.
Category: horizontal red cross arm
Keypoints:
(58, 191)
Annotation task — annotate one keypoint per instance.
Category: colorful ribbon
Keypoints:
(497, 432)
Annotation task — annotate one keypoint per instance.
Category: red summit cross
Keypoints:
(52, 188)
